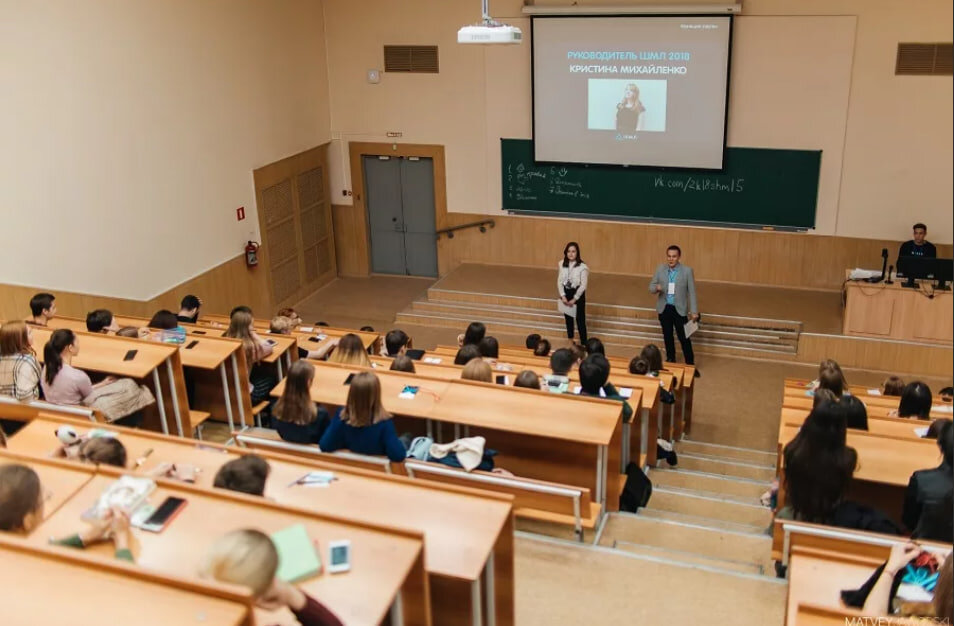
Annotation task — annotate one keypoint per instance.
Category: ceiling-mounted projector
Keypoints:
(489, 30)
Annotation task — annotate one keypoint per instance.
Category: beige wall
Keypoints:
(806, 74)
(131, 129)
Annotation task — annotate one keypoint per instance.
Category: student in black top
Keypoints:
(189, 309)
(299, 419)
(930, 487)
(465, 354)
(543, 348)
(594, 377)
(915, 401)
(595, 346)
(42, 308)
(396, 342)
(532, 340)
(403, 363)
(653, 357)
(474, 333)
(856, 415)
(489, 348)
(101, 321)
(164, 320)
(919, 246)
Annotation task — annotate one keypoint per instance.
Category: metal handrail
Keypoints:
(481, 224)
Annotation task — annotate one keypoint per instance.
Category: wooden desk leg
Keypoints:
(160, 402)
(278, 364)
(228, 398)
(624, 456)
(397, 611)
(238, 387)
(682, 413)
(651, 438)
(664, 422)
(688, 416)
(175, 398)
(489, 585)
(476, 616)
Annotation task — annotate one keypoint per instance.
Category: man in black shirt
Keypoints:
(919, 246)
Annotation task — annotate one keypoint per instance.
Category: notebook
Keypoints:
(127, 494)
(297, 557)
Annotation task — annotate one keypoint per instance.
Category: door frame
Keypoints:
(362, 232)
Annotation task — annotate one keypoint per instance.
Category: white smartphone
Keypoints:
(339, 556)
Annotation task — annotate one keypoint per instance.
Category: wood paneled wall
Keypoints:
(220, 288)
(895, 357)
(798, 260)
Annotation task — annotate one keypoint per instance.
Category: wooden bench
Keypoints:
(268, 439)
(533, 499)
(13, 409)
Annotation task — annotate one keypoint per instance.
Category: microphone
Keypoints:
(884, 267)
(888, 280)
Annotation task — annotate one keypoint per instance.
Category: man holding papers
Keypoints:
(675, 290)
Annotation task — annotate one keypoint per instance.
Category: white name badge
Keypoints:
(672, 289)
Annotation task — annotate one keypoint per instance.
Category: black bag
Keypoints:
(569, 292)
(636, 491)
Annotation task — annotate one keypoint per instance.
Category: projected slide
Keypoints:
(645, 91)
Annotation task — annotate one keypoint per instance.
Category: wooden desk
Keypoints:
(543, 437)
(900, 427)
(303, 331)
(52, 586)
(818, 576)
(212, 358)
(892, 312)
(105, 354)
(386, 574)
(469, 543)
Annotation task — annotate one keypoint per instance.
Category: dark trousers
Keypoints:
(580, 320)
(671, 320)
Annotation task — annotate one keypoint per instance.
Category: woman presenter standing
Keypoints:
(571, 287)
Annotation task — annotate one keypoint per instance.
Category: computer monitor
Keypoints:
(921, 268)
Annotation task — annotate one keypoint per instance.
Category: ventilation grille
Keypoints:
(925, 59)
(421, 59)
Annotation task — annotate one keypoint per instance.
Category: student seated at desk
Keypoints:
(916, 401)
(892, 386)
(543, 348)
(61, 382)
(396, 343)
(261, 379)
(594, 346)
(298, 418)
(403, 363)
(479, 370)
(131, 332)
(594, 378)
(558, 380)
(249, 558)
(19, 370)
(639, 367)
(22, 500)
(653, 357)
(930, 487)
(879, 600)
(466, 354)
(101, 321)
(819, 466)
(472, 336)
(164, 319)
(284, 325)
(42, 308)
(532, 340)
(832, 379)
(246, 474)
(527, 379)
(947, 394)
(189, 309)
(350, 351)
(362, 425)
(489, 348)
(856, 415)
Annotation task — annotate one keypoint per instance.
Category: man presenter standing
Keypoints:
(675, 290)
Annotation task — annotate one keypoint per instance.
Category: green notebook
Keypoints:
(297, 558)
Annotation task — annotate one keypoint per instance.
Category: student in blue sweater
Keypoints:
(298, 418)
(363, 426)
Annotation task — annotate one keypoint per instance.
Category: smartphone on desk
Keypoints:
(130, 355)
(347, 381)
(271, 342)
(339, 556)
(502, 380)
(198, 332)
(192, 344)
(161, 517)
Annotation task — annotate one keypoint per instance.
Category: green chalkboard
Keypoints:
(759, 187)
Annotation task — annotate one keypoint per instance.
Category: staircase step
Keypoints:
(689, 558)
(711, 483)
(746, 347)
(671, 535)
(746, 455)
(474, 299)
(702, 522)
(686, 502)
(716, 465)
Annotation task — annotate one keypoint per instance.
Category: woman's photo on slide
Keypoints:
(626, 105)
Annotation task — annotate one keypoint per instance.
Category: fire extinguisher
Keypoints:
(251, 254)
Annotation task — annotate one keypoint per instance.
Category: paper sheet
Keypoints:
(691, 327)
(566, 310)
